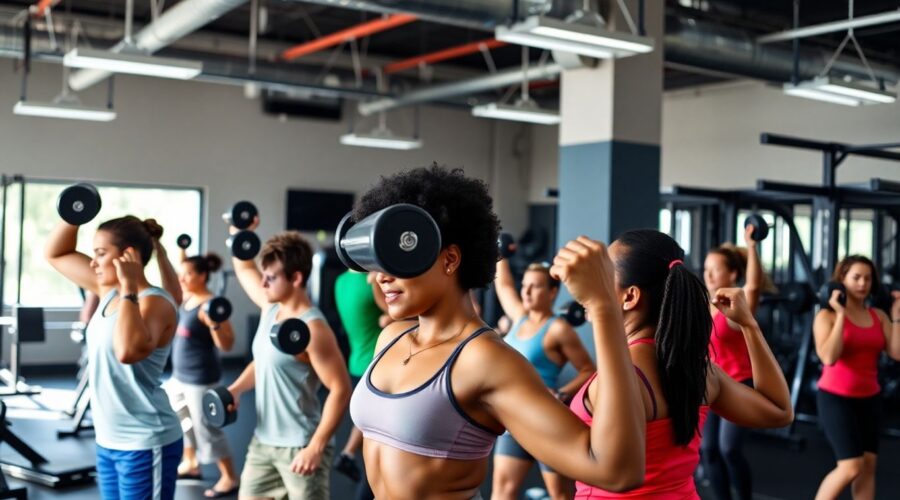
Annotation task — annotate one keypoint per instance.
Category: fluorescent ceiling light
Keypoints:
(135, 64)
(518, 112)
(839, 92)
(585, 39)
(63, 110)
(381, 138)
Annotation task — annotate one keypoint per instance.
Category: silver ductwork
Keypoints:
(177, 22)
(477, 14)
(716, 48)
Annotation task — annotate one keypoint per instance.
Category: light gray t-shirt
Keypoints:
(129, 408)
(287, 407)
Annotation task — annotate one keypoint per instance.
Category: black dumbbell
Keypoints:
(760, 227)
(215, 407)
(291, 336)
(218, 309)
(183, 241)
(506, 245)
(572, 312)
(244, 245)
(401, 240)
(240, 215)
(78, 204)
(826, 291)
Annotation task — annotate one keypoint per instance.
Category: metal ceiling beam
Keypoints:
(832, 27)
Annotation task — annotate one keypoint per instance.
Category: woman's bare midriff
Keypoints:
(398, 475)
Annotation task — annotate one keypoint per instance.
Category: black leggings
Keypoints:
(722, 450)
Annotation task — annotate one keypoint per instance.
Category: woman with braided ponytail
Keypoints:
(667, 324)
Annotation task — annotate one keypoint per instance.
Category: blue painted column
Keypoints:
(609, 155)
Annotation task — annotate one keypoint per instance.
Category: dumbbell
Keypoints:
(240, 215)
(506, 245)
(218, 309)
(215, 407)
(572, 312)
(183, 241)
(291, 336)
(760, 227)
(78, 204)
(401, 240)
(826, 291)
(244, 245)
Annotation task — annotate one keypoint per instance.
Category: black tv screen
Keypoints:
(316, 210)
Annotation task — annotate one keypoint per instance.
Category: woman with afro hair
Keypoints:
(443, 386)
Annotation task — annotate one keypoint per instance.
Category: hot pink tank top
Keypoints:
(669, 473)
(728, 349)
(855, 374)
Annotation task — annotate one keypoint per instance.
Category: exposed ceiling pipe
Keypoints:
(712, 47)
(478, 14)
(465, 87)
(178, 21)
(443, 55)
(359, 31)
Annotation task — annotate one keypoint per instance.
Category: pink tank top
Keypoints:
(728, 349)
(855, 374)
(669, 472)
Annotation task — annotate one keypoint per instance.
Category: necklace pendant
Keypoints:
(406, 361)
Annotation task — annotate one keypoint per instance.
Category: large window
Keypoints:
(178, 210)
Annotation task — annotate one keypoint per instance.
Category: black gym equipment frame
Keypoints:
(716, 214)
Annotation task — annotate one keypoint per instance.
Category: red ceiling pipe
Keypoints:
(442, 55)
(353, 32)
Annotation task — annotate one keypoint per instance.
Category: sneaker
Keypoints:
(347, 466)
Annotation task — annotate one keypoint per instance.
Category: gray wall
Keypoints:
(210, 136)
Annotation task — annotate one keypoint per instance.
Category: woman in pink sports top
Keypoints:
(724, 463)
(664, 308)
(850, 338)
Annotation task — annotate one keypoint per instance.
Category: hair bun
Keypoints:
(213, 262)
(153, 227)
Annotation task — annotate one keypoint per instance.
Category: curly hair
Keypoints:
(461, 207)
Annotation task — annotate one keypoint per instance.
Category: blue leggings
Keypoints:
(723, 458)
(139, 474)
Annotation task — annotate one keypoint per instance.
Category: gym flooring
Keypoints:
(778, 472)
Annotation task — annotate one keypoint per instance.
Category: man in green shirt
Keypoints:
(360, 305)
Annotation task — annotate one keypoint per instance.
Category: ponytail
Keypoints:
(678, 304)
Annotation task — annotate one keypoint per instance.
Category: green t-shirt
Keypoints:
(359, 313)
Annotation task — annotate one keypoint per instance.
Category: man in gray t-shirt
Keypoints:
(290, 453)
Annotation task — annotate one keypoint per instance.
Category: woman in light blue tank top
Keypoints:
(128, 341)
(548, 343)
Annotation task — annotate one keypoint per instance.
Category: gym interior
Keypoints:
(583, 117)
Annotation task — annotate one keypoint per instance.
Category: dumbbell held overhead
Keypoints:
(760, 227)
(79, 204)
(240, 215)
(506, 244)
(183, 241)
(401, 240)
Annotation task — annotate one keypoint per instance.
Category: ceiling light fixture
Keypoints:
(584, 32)
(520, 112)
(525, 109)
(381, 138)
(68, 110)
(826, 88)
(134, 64)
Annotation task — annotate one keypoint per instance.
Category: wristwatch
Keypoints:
(131, 296)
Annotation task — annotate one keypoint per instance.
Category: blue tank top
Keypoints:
(195, 358)
(129, 408)
(533, 350)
